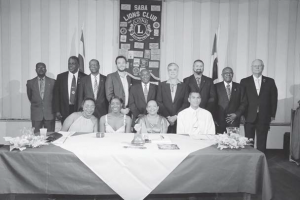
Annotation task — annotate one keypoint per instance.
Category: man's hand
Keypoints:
(58, 116)
(230, 118)
(172, 119)
(243, 120)
(125, 111)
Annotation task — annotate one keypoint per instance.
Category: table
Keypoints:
(53, 170)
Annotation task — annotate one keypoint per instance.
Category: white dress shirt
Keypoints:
(195, 122)
(93, 80)
(225, 83)
(125, 87)
(70, 78)
(147, 85)
(257, 82)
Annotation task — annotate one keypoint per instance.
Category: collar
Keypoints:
(227, 84)
(198, 76)
(71, 74)
(122, 76)
(92, 75)
(41, 78)
(177, 81)
(259, 78)
(192, 109)
(143, 84)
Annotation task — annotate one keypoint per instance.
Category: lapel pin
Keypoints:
(264, 80)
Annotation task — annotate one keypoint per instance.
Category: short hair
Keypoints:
(198, 60)
(74, 58)
(258, 60)
(194, 92)
(152, 100)
(116, 97)
(40, 63)
(227, 68)
(173, 64)
(120, 57)
(95, 61)
(86, 99)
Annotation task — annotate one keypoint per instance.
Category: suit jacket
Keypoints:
(41, 108)
(86, 90)
(164, 99)
(114, 87)
(206, 90)
(266, 101)
(61, 94)
(237, 104)
(137, 102)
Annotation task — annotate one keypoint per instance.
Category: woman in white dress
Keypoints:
(115, 122)
(83, 121)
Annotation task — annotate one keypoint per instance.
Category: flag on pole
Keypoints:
(81, 54)
(214, 58)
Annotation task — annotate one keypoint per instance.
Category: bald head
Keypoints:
(257, 67)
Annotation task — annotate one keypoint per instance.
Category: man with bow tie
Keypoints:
(202, 84)
(231, 102)
(262, 99)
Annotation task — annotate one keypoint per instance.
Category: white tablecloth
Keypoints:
(132, 173)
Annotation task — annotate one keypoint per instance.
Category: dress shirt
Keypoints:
(173, 88)
(125, 87)
(147, 85)
(195, 122)
(257, 82)
(70, 78)
(225, 83)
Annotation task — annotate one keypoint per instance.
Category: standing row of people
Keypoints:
(255, 97)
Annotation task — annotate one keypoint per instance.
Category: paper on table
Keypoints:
(64, 138)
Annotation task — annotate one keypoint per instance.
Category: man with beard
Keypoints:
(202, 84)
(140, 94)
(118, 83)
(231, 102)
(93, 86)
(65, 90)
(40, 95)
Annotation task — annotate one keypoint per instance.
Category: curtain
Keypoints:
(48, 31)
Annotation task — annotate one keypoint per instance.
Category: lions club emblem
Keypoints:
(140, 29)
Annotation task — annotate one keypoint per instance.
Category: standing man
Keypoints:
(93, 86)
(118, 83)
(231, 102)
(172, 97)
(202, 84)
(262, 104)
(140, 94)
(40, 95)
(65, 90)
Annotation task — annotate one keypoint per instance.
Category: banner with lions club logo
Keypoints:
(140, 25)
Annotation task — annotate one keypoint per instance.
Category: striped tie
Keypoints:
(95, 87)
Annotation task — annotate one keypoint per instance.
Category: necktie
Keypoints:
(42, 87)
(73, 90)
(257, 85)
(198, 81)
(145, 91)
(95, 87)
(228, 91)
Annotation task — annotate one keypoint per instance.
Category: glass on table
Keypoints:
(235, 130)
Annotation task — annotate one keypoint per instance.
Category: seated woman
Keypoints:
(83, 121)
(115, 122)
(152, 122)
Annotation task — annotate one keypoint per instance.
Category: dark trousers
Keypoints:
(48, 124)
(172, 129)
(71, 110)
(261, 130)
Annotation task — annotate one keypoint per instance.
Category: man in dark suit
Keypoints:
(93, 86)
(231, 102)
(202, 84)
(172, 97)
(65, 90)
(40, 95)
(140, 94)
(118, 83)
(262, 99)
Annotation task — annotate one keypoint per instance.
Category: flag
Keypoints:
(81, 54)
(214, 58)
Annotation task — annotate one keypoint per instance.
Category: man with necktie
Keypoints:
(202, 84)
(262, 100)
(140, 94)
(65, 90)
(93, 86)
(231, 102)
(194, 120)
(40, 95)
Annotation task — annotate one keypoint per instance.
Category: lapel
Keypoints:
(224, 93)
(100, 85)
(140, 90)
(151, 91)
(263, 84)
(202, 83)
(46, 86)
(90, 84)
(233, 92)
(65, 85)
(119, 80)
(36, 86)
(168, 92)
(252, 85)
